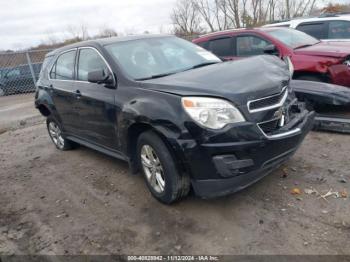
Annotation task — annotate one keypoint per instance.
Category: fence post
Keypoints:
(31, 68)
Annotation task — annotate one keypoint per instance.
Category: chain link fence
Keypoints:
(19, 71)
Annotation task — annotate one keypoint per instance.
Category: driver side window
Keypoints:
(251, 45)
(89, 60)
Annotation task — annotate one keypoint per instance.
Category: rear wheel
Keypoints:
(161, 174)
(56, 136)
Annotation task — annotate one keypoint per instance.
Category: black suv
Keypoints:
(174, 111)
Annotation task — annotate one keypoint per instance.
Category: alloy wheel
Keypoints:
(56, 135)
(153, 168)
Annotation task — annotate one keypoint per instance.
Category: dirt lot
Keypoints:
(83, 202)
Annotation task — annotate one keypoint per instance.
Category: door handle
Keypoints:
(77, 94)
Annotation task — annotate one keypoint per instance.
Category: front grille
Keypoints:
(269, 126)
(268, 102)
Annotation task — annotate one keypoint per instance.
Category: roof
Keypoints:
(296, 21)
(223, 31)
(106, 41)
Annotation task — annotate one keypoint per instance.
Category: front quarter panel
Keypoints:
(161, 111)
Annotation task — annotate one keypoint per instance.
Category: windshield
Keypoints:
(157, 57)
(292, 38)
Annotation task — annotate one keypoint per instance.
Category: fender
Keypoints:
(166, 118)
(43, 98)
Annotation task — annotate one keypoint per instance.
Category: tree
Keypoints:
(336, 8)
(78, 32)
(107, 32)
(186, 18)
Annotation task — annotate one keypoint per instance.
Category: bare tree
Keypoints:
(223, 14)
(78, 32)
(107, 32)
(186, 18)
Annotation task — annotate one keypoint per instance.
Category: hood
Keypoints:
(238, 81)
(331, 49)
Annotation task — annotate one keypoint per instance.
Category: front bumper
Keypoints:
(219, 169)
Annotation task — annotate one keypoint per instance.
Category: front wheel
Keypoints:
(160, 171)
(56, 136)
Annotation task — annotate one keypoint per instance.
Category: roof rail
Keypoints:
(328, 15)
(336, 14)
(280, 21)
(222, 31)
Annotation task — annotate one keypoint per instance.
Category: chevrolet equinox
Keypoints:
(174, 111)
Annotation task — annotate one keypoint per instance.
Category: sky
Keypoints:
(26, 23)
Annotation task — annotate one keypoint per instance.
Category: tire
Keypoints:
(2, 92)
(55, 133)
(165, 182)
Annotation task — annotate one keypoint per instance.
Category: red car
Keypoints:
(312, 59)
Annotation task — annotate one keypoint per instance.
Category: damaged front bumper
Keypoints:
(229, 162)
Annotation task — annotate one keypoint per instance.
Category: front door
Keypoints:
(97, 102)
(249, 45)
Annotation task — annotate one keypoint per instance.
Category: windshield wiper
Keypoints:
(302, 46)
(155, 76)
(171, 73)
(203, 64)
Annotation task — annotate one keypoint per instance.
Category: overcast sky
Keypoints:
(24, 23)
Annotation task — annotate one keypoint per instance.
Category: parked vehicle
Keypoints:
(18, 79)
(312, 59)
(329, 27)
(174, 111)
(330, 102)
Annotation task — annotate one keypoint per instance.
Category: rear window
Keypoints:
(317, 30)
(64, 66)
(44, 67)
(204, 44)
(222, 47)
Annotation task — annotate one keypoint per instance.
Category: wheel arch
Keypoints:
(134, 132)
(44, 110)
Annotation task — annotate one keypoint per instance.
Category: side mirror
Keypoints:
(271, 50)
(100, 77)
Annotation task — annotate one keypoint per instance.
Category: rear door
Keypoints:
(97, 101)
(63, 92)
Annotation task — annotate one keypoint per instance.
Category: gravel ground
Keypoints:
(83, 202)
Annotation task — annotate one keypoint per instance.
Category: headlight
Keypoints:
(290, 65)
(211, 112)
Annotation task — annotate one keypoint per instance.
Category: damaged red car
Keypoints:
(312, 59)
